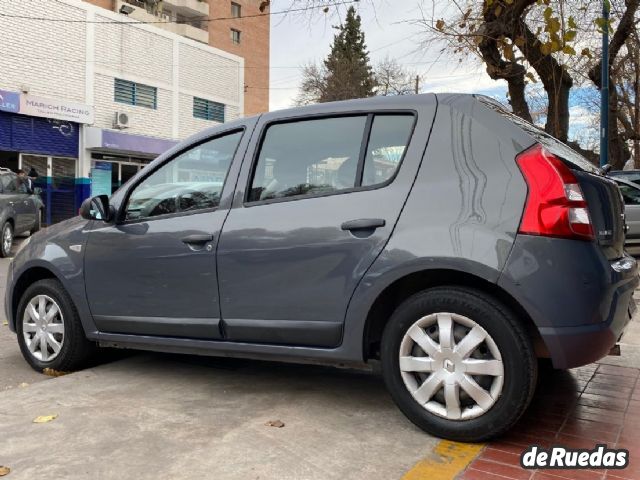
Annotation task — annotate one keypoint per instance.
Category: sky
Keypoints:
(303, 38)
(300, 39)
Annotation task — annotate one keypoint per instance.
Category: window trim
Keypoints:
(364, 145)
(236, 4)
(239, 32)
(120, 217)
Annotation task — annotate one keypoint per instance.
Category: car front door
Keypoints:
(319, 201)
(153, 272)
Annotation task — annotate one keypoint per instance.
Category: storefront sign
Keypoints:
(57, 109)
(9, 101)
(24, 104)
(135, 143)
(101, 179)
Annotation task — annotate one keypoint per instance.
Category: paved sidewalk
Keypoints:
(576, 409)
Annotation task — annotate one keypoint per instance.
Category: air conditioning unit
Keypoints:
(121, 120)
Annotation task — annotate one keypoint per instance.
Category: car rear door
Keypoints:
(153, 271)
(317, 200)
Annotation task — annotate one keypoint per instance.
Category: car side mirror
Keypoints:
(97, 208)
(37, 191)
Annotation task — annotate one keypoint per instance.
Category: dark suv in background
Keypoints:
(20, 209)
(436, 233)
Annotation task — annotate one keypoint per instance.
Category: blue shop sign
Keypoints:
(9, 101)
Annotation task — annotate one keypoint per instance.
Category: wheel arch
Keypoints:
(27, 278)
(404, 287)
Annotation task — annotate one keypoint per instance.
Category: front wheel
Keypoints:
(458, 364)
(7, 240)
(49, 330)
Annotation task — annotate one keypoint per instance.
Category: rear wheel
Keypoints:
(458, 364)
(7, 239)
(49, 330)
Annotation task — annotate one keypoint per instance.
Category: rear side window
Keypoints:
(387, 143)
(329, 155)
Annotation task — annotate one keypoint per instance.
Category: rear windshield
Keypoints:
(550, 143)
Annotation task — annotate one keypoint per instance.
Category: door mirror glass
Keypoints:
(97, 208)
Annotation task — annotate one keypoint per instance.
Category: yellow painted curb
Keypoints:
(451, 459)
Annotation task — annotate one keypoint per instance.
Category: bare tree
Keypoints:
(526, 41)
(393, 79)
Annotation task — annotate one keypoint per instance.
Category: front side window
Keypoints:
(191, 181)
(323, 156)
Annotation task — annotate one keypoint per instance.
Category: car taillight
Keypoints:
(555, 206)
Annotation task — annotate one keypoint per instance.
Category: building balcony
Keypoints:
(189, 31)
(188, 8)
(182, 17)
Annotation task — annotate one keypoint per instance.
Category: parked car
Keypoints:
(628, 175)
(631, 195)
(438, 234)
(20, 210)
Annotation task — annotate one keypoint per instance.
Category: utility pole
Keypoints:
(604, 87)
(417, 84)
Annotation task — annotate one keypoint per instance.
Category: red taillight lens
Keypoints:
(556, 206)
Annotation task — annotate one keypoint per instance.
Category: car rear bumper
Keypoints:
(580, 301)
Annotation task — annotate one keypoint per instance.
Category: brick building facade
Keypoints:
(247, 35)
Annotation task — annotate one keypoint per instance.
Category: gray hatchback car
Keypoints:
(437, 233)
(20, 209)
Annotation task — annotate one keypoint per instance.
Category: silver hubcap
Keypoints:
(451, 366)
(7, 239)
(43, 328)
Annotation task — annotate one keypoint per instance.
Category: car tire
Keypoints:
(38, 223)
(6, 241)
(66, 347)
(436, 391)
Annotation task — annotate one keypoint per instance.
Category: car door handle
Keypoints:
(198, 239)
(363, 224)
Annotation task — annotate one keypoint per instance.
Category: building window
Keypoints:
(208, 110)
(236, 10)
(235, 36)
(136, 94)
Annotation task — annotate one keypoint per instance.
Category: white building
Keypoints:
(95, 91)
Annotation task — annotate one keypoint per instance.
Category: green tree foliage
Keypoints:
(346, 72)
